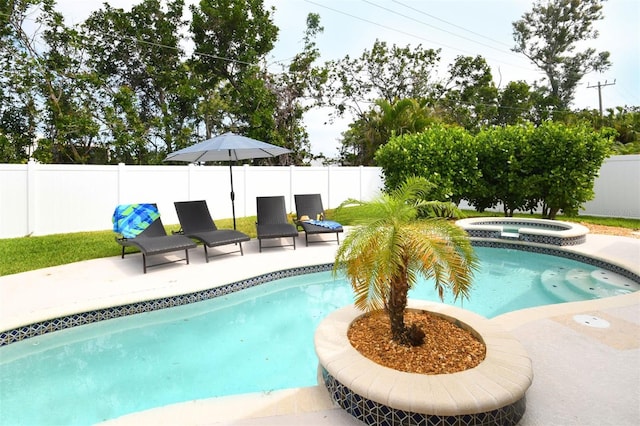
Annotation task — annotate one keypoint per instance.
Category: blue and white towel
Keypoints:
(324, 223)
(129, 220)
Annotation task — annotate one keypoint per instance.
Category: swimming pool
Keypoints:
(260, 339)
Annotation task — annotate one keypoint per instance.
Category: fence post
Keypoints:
(245, 173)
(291, 177)
(121, 172)
(329, 178)
(361, 170)
(190, 171)
(32, 196)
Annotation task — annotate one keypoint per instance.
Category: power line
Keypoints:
(450, 23)
(410, 34)
(437, 28)
(380, 25)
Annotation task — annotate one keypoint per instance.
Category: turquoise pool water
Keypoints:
(256, 340)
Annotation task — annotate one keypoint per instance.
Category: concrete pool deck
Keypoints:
(582, 375)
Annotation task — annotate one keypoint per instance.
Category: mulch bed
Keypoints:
(447, 348)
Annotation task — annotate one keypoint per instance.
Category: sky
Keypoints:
(458, 27)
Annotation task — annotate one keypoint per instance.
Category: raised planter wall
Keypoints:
(491, 393)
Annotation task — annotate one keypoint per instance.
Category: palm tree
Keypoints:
(391, 247)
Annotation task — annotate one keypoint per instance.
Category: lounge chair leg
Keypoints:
(123, 252)
(144, 263)
(294, 243)
(338, 238)
(241, 252)
(206, 253)
(186, 253)
(260, 245)
(306, 238)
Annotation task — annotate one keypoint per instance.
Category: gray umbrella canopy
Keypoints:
(227, 147)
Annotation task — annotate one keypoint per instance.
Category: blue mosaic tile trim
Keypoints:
(552, 240)
(560, 253)
(524, 224)
(530, 238)
(56, 324)
(374, 413)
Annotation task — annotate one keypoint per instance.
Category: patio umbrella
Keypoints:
(227, 147)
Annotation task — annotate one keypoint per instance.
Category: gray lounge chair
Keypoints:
(154, 240)
(309, 207)
(196, 222)
(272, 220)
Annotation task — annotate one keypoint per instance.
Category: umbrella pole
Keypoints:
(233, 195)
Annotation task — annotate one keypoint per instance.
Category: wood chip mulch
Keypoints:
(447, 348)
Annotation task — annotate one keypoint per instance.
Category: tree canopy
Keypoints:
(549, 36)
(121, 86)
(132, 86)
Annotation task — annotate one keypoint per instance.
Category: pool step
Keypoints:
(577, 284)
(615, 280)
(599, 283)
(553, 281)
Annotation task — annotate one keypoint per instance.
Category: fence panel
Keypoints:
(617, 188)
(37, 199)
(14, 200)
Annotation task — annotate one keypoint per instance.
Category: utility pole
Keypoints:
(600, 86)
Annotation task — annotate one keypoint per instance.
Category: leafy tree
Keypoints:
(389, 73)
(146, 89)
(444, 155)
(43, 80)
(384, 256)
(626, 122)
(379, 124)
(515, 104)
(552, 166)
(18, 113)
(508, 166)
(231, 37)
(297, 84)
(570, 159)
(549, 36)
(469, 96)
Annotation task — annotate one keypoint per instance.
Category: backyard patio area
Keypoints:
(582, 375)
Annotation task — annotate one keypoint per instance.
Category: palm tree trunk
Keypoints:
(396, 305)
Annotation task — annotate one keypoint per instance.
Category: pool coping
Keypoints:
(120, 280)
(24, 331)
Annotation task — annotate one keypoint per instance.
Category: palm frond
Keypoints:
(389, 244)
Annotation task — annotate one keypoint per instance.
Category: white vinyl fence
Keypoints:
(41, 199)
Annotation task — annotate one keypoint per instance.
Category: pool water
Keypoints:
(256, 340)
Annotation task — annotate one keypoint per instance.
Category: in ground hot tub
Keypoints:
(542, 231)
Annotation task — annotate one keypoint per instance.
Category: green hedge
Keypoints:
(552, 166)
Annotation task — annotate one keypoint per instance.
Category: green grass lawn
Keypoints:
(29, 253)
